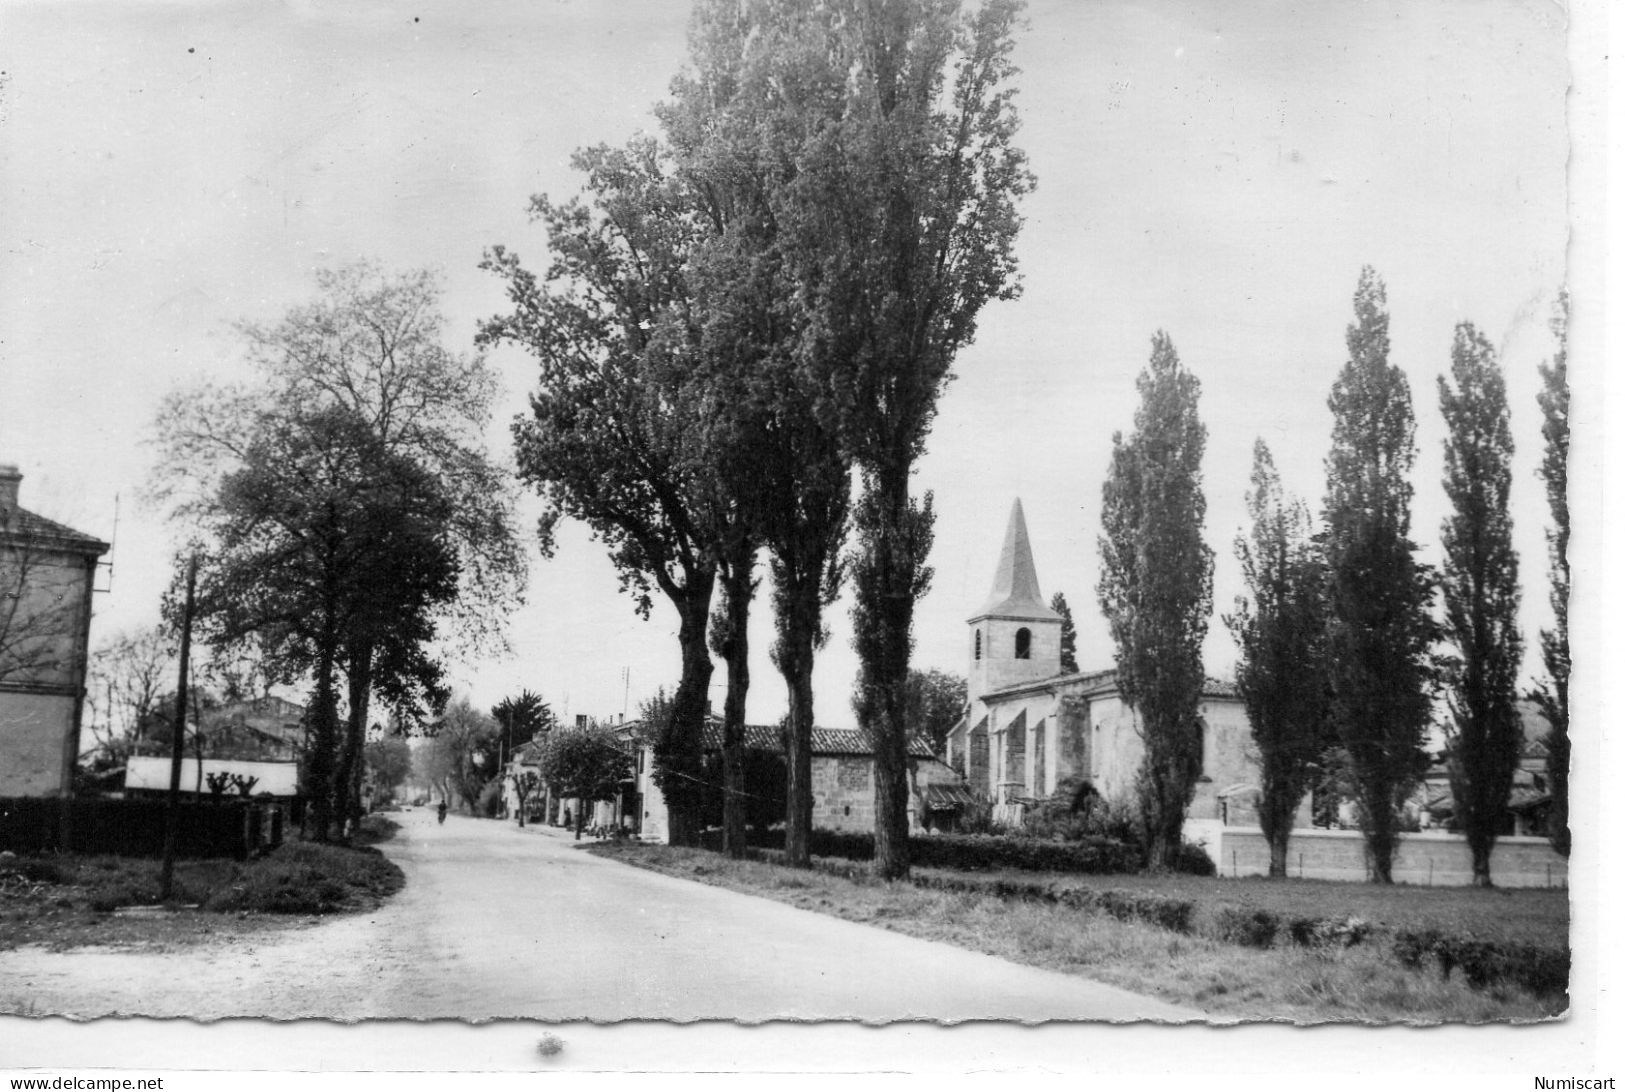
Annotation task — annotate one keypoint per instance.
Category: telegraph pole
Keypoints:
(178, 740)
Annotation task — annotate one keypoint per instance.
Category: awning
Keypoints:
(942, 797)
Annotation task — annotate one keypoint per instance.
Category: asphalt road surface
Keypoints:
(497, 922)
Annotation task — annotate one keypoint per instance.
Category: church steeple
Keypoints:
(1015, 582)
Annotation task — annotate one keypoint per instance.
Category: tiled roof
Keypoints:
(767, 737)
(21, 523)
(1103, 681)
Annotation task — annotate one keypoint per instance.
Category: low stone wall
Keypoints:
(1428, 858)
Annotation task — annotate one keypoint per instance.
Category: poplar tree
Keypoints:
(1156, 589)
(1069, 632)
(1281, 631)
(1480, 592)
(1379, 632)
(1552, 695)
(883, 136)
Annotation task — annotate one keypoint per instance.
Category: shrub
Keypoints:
(1484, 963)
(1194, 861)
(1328, 932)
(39, 869)
(1248, 928)
(1165, 913)
(310, 878)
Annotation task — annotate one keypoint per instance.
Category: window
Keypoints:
(1024, 643)
(978, 644)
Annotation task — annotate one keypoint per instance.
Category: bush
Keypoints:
(1075, 812)
(970, 852)
(1194, 861)
(39, 869)
(1485, 963)
(1328, 932)
(310, 878)
(1248, 928)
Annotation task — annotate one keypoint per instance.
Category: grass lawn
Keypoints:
(67, 901)
(1363, 982)
(1519, 915)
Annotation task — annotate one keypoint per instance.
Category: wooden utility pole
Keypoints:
(178, 740)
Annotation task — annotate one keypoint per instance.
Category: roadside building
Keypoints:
(842, 781)
(47, 579)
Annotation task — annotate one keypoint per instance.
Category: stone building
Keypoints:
(47, 578)
(842, 780)
(1030, 726)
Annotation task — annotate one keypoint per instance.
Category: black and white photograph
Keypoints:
(802, 536)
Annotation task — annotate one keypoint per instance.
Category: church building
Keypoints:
(1030, 725)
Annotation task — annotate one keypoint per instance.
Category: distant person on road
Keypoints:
(441, 812)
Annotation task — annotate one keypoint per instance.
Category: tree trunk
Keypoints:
(319, 752)
(886, 681)
(795, 663)
(736, 650)
(1379, 840)
(678, 751)
(1278, 844)
(347, 782)
(1483, 847)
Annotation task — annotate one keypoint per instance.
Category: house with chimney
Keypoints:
(47, 579)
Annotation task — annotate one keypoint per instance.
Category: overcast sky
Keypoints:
(1218, 171)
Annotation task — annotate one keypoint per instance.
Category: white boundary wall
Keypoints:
(1428, 858)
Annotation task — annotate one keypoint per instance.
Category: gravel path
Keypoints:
(498, 922)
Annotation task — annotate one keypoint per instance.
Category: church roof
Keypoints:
(1090, 683)
(1015, 582)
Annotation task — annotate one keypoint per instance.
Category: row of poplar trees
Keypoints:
(1343, 656)
(742, 335)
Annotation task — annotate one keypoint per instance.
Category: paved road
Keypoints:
(497, 922)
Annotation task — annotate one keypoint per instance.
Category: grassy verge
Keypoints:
(65, 901)
(1321, 983)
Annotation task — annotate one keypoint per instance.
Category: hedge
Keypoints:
(1484, 963)
(964, 852)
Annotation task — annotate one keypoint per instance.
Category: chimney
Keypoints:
(581, 720)
(10, 479)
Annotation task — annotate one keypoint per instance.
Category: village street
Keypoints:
(500, 922)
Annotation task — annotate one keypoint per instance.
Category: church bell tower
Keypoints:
(1015, 637)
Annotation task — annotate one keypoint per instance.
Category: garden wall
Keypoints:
(1426, 858)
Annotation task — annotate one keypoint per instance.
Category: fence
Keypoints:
(135, 828)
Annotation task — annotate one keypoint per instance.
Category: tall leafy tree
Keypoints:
(936, 702)
(523, 716)
(1280, 627)
(729, 122)
(1069, 632)
(368, 347)
(1379, 633)
(609, 441)
(892, 135)
(319, 537)
(1479, 586)
(1156, 589)
(1552, 695)
(585, 763)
